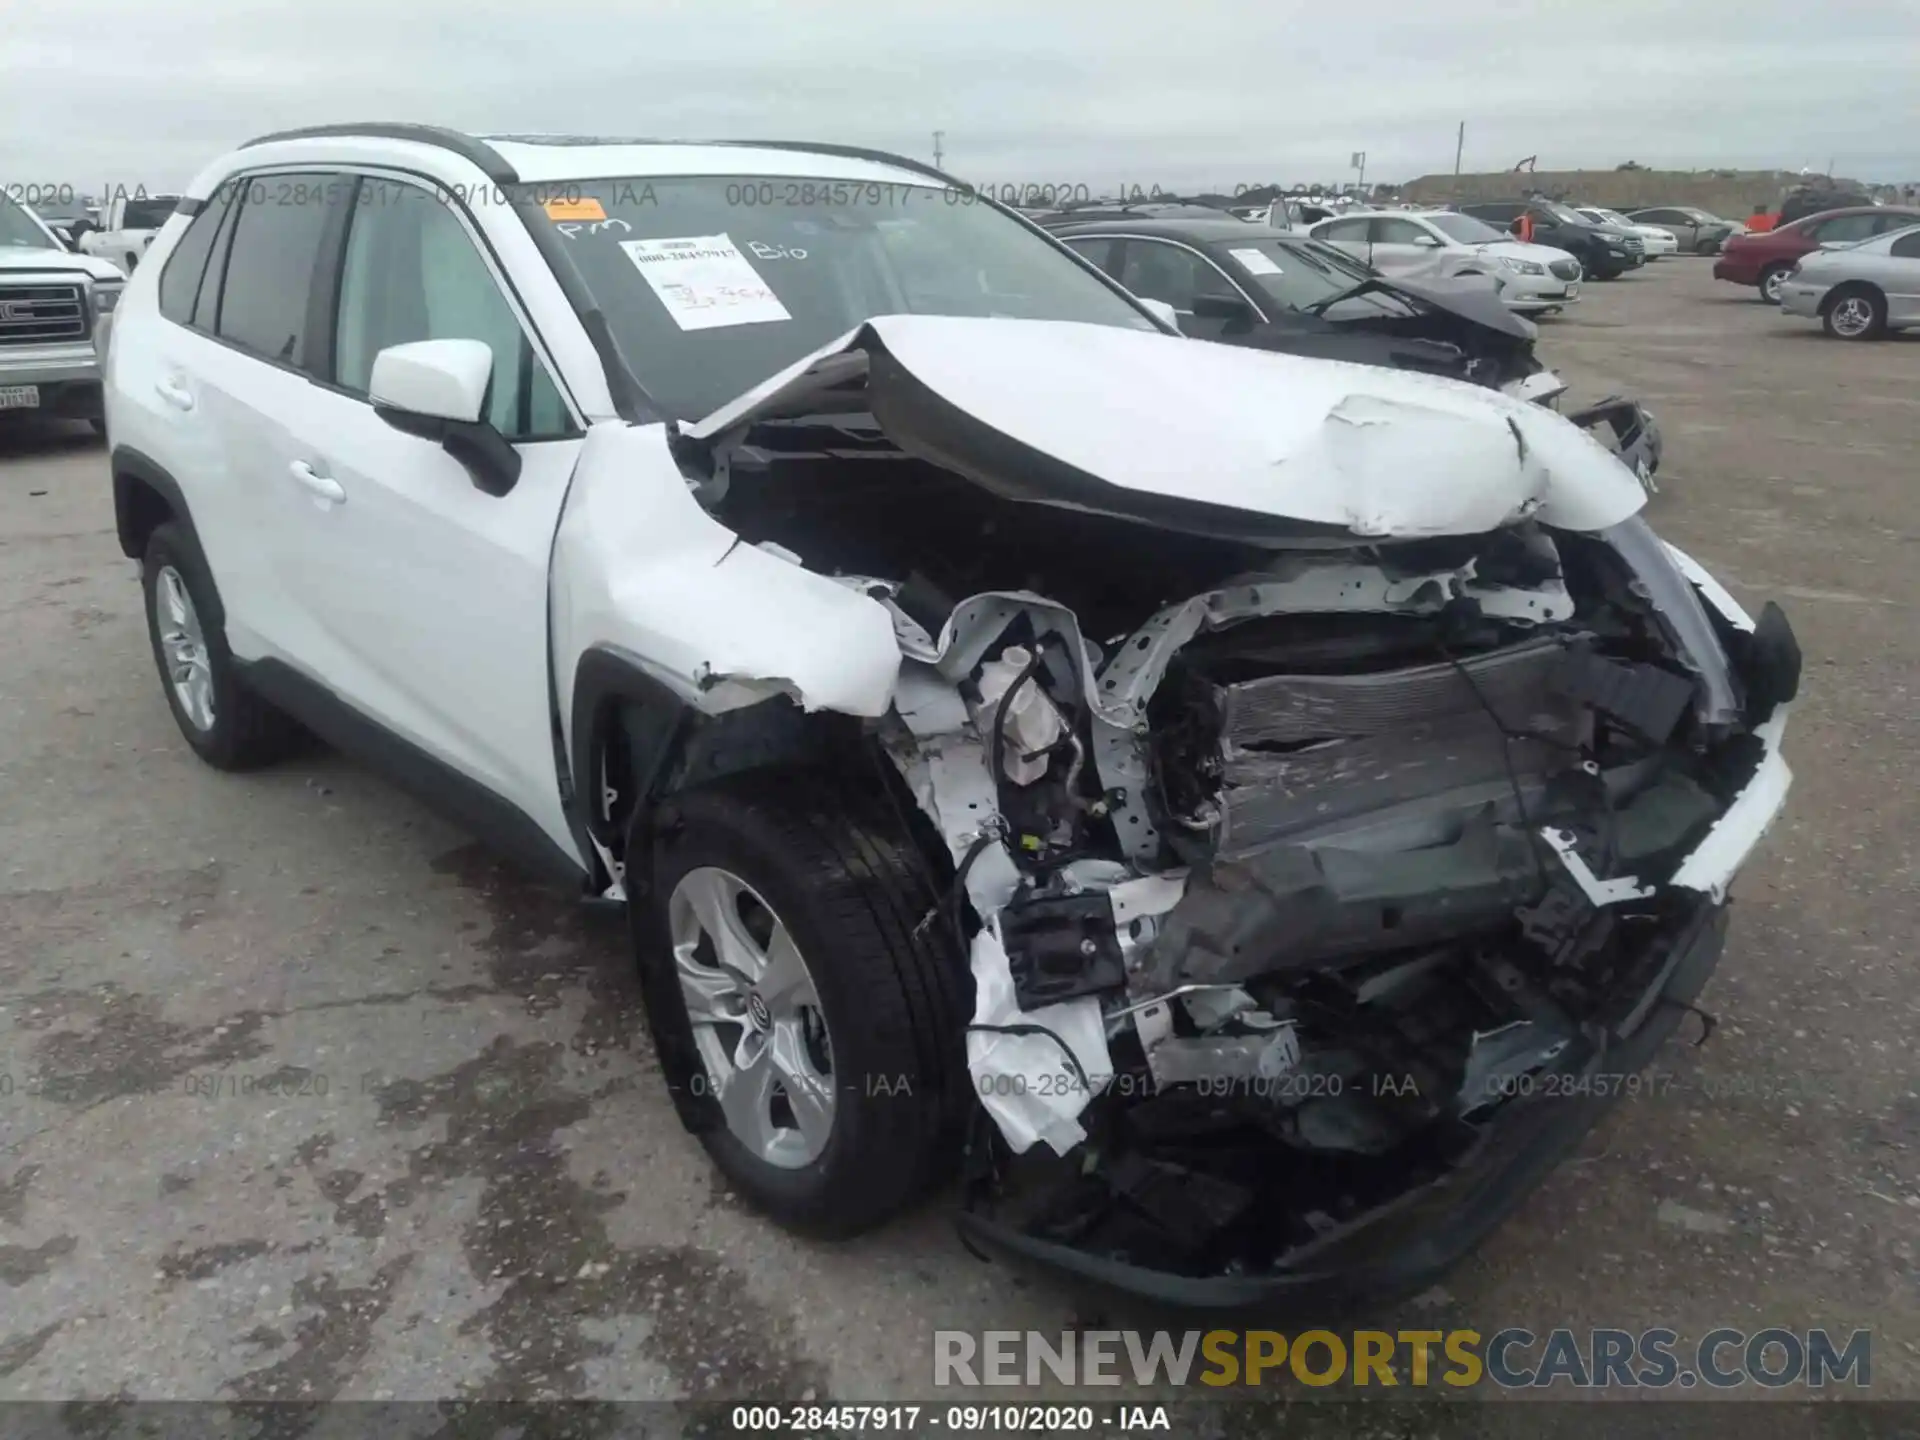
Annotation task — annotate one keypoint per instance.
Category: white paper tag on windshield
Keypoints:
(1258, 262)
(705, 282)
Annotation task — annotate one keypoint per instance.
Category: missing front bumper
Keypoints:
(1403, 1245)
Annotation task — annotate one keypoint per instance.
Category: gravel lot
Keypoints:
(483, 1191)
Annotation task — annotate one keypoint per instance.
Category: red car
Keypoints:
(1765, 259)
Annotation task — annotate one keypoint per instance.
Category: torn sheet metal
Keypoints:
(1667, 589)
(1718, 858)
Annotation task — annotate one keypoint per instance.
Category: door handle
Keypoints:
(174, 393)
(325, 486)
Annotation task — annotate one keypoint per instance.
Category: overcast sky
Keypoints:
(1181, 93)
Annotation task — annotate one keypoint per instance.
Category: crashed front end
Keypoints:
(1320, 879)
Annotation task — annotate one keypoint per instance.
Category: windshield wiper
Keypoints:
(1373, 283)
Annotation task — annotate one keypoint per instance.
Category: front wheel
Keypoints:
(809, 1018)
(1859, 314)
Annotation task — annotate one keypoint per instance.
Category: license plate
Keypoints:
(19, 397)
(1573, 292)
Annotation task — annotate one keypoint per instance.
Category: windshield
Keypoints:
(1564, 213)
(1464, 228)
(17, 228)
(1300, 275)
(710, 284)
(149, 213)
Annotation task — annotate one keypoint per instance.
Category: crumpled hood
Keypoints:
(1203, 437)
(49, 261)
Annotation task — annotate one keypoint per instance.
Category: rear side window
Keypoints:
(270, 266)
(180, 281)
(1907, 247)
(1848, 228)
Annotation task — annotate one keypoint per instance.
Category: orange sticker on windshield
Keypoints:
(584, 208)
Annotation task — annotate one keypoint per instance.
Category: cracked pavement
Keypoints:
(303, 1096)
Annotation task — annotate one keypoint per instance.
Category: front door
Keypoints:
(429, 596)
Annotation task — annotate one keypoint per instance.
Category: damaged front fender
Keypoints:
(641, 570)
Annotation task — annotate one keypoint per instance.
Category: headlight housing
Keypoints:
(106, 295)
(1525, 267)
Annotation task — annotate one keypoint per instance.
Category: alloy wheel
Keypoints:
(756, 1017)
(184, 644)
(1852, 317)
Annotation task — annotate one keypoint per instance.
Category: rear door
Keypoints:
(246, 381)
(426, 597)
(1350, 236)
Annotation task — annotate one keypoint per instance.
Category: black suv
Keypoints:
(1605, 252)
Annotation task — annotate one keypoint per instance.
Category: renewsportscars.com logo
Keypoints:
(1596, 1359)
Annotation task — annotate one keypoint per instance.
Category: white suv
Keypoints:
(1015, 729)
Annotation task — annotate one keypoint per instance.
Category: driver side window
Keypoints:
(1170, 273)
(411, 272)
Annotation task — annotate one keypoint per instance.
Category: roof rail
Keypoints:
(852, 152)
(478, 151)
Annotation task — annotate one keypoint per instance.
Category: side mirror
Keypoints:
(1222, 307)
(1426, 242)
(437, 390)
(1161, 311)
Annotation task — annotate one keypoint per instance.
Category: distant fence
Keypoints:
(1733, 196)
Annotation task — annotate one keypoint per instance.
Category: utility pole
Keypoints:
(938, 152)
(1459, 144)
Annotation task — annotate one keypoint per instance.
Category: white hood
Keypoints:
(14, 257)
(1158, 427)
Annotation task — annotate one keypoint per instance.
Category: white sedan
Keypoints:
(1659, 242)
(1443, 244)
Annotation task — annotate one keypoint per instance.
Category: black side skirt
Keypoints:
(500, 824)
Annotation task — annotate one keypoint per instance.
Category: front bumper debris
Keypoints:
(1405, 1246)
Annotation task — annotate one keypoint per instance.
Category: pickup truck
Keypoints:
(127, 226)
(56, 308)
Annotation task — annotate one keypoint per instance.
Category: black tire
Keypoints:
(855, 896)
(246, 732)
(1770, 280)
(1706, 247)
(1848, 295)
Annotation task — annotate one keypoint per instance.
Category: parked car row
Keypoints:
(1765, 260)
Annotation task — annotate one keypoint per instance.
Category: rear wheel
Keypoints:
(1858, 313)
(1771, 279)
(227, 725)
(816, 1021)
